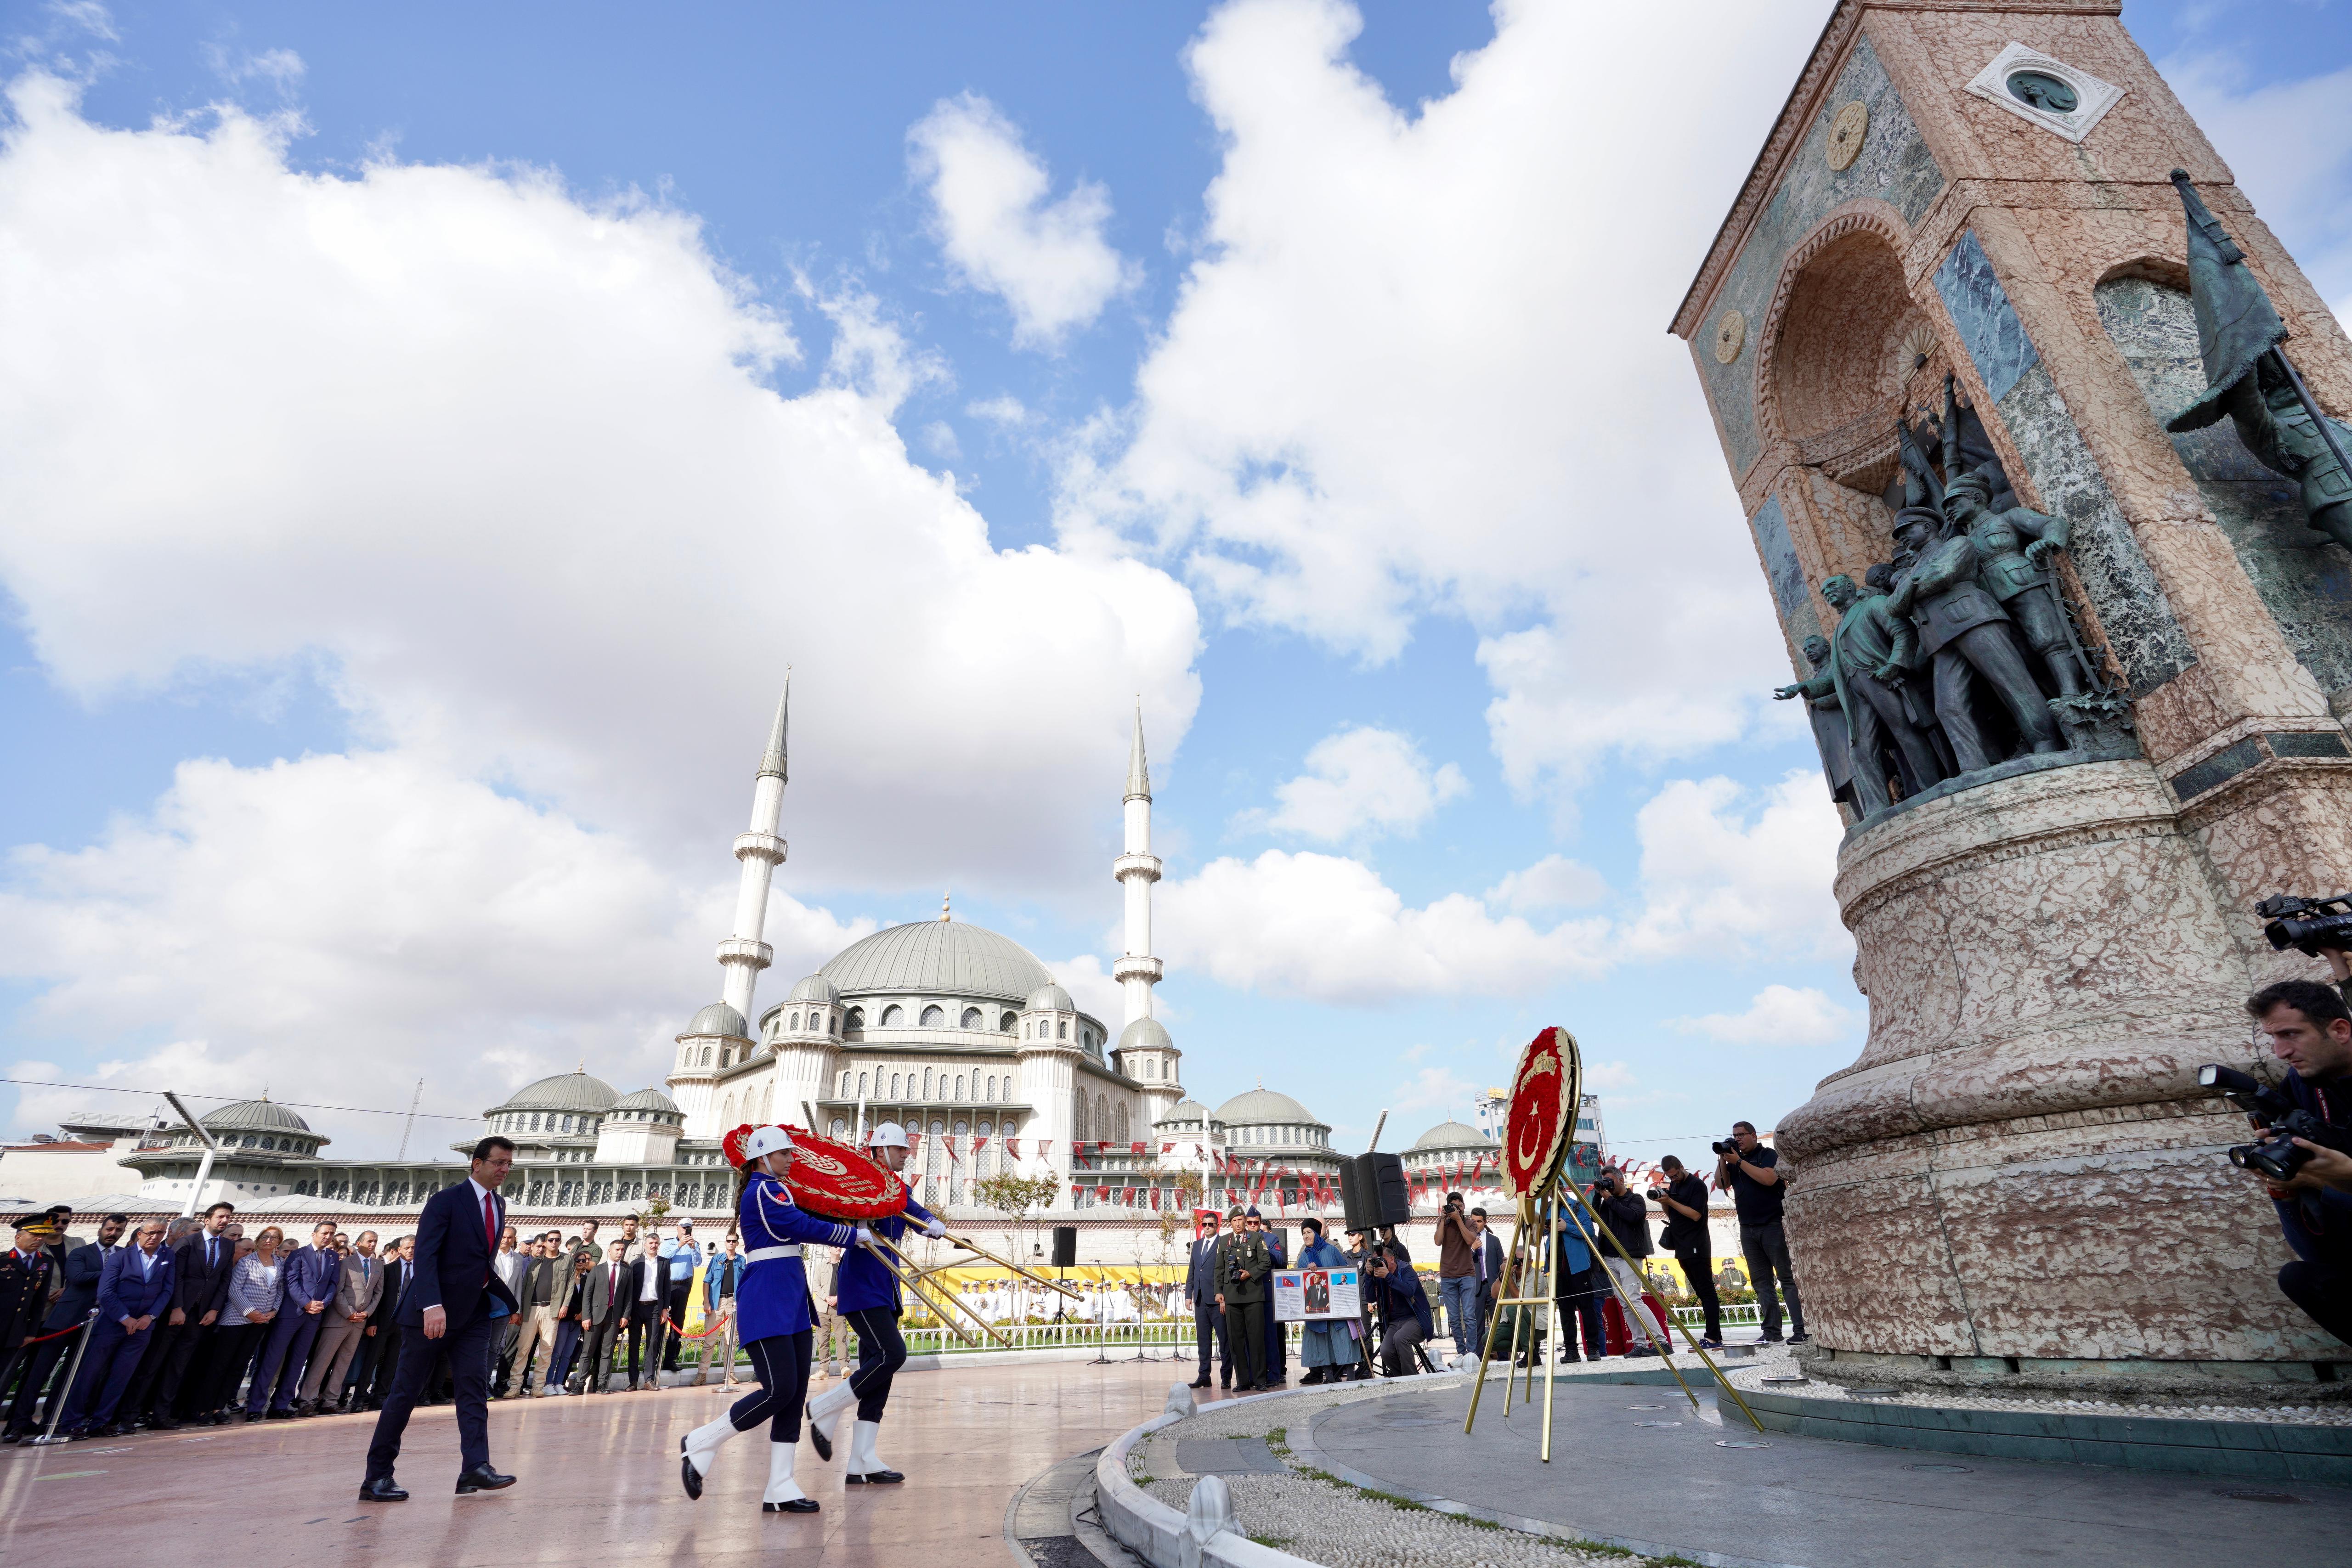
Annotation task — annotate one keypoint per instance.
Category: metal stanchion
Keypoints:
(65, 1385)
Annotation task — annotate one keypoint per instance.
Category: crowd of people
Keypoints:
(203, 1321)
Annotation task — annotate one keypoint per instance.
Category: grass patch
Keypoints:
(1276, 1541)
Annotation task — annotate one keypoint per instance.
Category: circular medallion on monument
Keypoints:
(1545, 1093)
(1730, 336)
(1846, 134)
(837, 1182)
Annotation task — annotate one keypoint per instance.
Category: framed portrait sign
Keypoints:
(1316, 1295)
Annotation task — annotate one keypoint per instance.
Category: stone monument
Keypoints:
(1943, 331)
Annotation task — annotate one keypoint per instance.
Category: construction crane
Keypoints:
(414, 1101)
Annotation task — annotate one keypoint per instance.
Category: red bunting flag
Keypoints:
(1101, 1193)
(1014, 1145)
(979, 1142)
(1044, 1147)
(1136, 1149)
(950, 1140)
(1167, 1148)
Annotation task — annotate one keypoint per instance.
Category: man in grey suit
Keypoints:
(1201, 1295)
(357, 1295)
(612, 1288)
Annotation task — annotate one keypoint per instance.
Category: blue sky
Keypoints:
(472, 413)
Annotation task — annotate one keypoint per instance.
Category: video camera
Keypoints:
(2278, 1159)
(2306, 924)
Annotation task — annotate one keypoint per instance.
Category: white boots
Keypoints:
(866, 1467)
(825, 1415)
(698, 1449)
(782, 1495)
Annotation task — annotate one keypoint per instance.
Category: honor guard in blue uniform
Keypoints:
(869, 1295)
(777, 1318)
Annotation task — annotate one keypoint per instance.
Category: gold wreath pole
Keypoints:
(932, 1295)
(974, 1246)
(1487, 1349)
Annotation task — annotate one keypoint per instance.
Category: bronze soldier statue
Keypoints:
(1830, 732)
(1965, 630)
(2013, 548)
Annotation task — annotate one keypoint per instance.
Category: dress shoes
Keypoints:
(1199, 1383)
(797, 1505)
(873, 1479)
(164, 1423)
(481, 1478)
(382, 1488)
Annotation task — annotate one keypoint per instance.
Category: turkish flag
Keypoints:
(1013, 1145)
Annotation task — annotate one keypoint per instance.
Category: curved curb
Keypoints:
(1308, 1451)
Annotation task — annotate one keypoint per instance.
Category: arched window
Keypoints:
(1078, 1118)
(844, 1082)
(839, 1126)
(767, 1100)
(894, 1086)
(1102, 1117)
(833, 1026)
(1007, 1022)
(705, 1062)
(856, 1018)
(534, 1122)
(1064, 1031)
(992, 1087)
(1123, 1121)
(891, 1015)
(861, 1085)
(934, 1016)
(727, 1115)
(793, 1024)
(972, 1018)
(961, 1128)
(927, 1083)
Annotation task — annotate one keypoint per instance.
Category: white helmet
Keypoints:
(886, 1134)
(765, 1141)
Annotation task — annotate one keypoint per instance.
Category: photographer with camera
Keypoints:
(1404, 1317)
(1627, 1219)
(2303, 1162)
(1748, 1171)
(1457, 1274)
(1684, 1199)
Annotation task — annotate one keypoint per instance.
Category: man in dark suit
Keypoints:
(456, 1301)
(200, 1266)
(604, 1306)
(382, 1347)
(305, 1289)
(1201, 1295)
(80, 1271)
(134, 1290)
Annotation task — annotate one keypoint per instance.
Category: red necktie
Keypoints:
(489, 1230)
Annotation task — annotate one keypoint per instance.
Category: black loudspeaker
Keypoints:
(1065, 1247)
(1372, 1192)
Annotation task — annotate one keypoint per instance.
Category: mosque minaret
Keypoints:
(762, 850)
(1144, 1048)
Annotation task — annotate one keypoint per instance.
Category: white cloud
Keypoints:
(1327, 927)
(504, 464)
(1091, 987)
(1361, 782)
(1436, 1089)
(1419, 365)
(2288, 145)
(336, 927)
(1716, 882)
(1047, 260)
(1780, 1015)
(1609, 1077)
(1003, 409)
(1730, 873)
(1554, 881)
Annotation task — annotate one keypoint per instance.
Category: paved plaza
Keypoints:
(598, 1481)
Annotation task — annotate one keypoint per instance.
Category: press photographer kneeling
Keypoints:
(2309, 1178)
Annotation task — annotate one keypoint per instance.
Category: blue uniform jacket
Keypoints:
(773, 1298)
(122, 1292)
(863, 1282)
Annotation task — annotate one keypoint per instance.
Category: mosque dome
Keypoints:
(1262, 1107)
(574, 1091)
(1185, 1110)
(815, 988)
(1452, 1136)
(720, 1019)
(938, 958)
(652, 1100)
(1049, 997)
(1145, 1034)
(262, 1116)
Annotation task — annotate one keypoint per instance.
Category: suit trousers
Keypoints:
(330, 1354)
(234, 1347)
(645, 1327)
(389, 1337)
(469, 1351)
(1278, 1342)
(363, 1363)
(596, 1355)
(1245, 1332)
(535, 1337)
(677, 1295)
(107, 1369)
(40, 1364)
(278, 1371)
(1209, 1323)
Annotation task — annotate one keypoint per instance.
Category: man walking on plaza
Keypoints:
(1749, 1172)
(1201, 1295)
(454, 1301)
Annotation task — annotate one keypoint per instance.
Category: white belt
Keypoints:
(761, 1254)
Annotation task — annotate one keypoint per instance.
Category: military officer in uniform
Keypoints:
(2013, 551)
(28, 1280)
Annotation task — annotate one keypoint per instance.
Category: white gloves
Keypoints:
(865, 1236)
(934, 1227)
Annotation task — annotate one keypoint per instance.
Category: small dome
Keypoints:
(648, 1100)
(1191, 1111)
(1145, 1034)
(1049, 997)
(1449, 1135)
(815, 988)
(1261, 1107)
(574, 1091)
(719, 1019)
(260, 1115)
